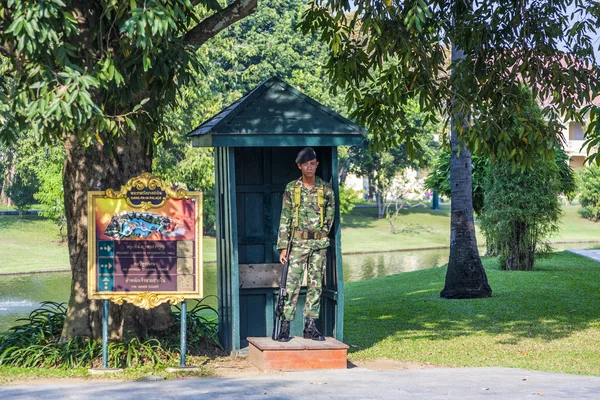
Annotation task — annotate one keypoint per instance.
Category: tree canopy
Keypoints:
(98, 77)
(384, 53)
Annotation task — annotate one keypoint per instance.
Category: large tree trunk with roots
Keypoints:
(98, 168)
(465, 277)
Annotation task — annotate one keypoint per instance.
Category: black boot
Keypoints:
(311, 331)
(284, 334)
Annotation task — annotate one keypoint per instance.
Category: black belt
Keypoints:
(309, 235)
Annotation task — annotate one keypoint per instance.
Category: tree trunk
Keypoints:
(343, 170)
(100, 167)
(371, 181)
(465, 277)
(521, 253)
(380, 204)
(9, 175)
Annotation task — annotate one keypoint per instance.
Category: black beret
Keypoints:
(306, 154)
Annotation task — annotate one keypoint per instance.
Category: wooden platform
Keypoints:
(297, 354)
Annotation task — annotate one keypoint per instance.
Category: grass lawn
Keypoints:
(575, 228)
(21, 375)
(33, 207)
(546, 320)
(32, 244)
(423, 227)
(419, 227)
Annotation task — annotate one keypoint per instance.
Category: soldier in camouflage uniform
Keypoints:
(310, 222)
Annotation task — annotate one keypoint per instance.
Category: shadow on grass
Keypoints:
(9, 221)
(560, 297)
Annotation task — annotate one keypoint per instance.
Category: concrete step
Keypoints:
(297, 354)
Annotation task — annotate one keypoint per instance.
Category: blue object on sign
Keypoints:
(106, 266)
(106, 283)
(106, 248)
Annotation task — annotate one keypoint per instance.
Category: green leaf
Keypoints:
(130, 123)
(29, 29)
(21, 43)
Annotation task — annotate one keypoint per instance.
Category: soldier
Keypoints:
(307, 210)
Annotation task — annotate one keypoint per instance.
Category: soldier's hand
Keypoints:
(283, 256)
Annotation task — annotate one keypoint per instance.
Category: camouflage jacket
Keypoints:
(308, 214)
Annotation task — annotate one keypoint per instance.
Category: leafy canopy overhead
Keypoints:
(384, 53)
(104, 68)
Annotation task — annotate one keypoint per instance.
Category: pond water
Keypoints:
(20, 294)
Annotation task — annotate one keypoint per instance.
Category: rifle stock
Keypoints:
(282, 294)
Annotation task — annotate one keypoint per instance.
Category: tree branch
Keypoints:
(214, 24)
(4, 51)
(7, 50)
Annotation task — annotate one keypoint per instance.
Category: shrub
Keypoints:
(521, 210)
(37, 342)
(21, 191)
(589, 192)
(348, 199)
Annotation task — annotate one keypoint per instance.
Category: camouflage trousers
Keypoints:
(314, 261)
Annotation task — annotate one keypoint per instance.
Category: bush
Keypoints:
(37, 342)
(521, 210)
(589, 192)
(50, 193)
(348, 199)
(21, 192)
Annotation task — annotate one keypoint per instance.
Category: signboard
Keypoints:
(145, 243)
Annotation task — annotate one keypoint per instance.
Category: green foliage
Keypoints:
(589, 195)
(381, 55)
(382, 166)
(439, 178)
(268, 44)
(21, 191)
(101, 71)
(178, 162)
(528, 114)
(521, 211)
(7, 121)
(37, 342)
(348, 199)
(51, 192)
(202, 327)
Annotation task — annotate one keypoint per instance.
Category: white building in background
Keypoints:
(574, 135)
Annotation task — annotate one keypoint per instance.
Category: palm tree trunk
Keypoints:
(465, 277)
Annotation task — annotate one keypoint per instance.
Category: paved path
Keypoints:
(593, 254)
(355, 383)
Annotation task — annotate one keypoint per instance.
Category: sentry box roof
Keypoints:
(276, 114)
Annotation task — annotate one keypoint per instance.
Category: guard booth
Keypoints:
(256, 141)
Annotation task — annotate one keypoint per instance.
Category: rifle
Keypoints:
(282, 291)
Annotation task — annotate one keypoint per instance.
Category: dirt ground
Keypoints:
(226, 367)
(240, 367)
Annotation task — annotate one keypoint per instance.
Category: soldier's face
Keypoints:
(309, 168)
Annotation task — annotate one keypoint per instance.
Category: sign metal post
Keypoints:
(183, 333)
